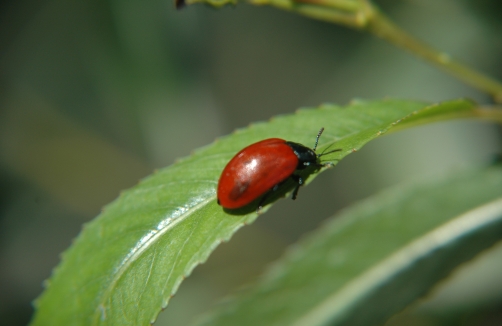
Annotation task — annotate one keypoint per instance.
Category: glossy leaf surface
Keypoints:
(127, 263)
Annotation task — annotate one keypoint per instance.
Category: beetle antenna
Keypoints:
(317, 138)
(326, 153)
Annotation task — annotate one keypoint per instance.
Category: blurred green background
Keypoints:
(95, 95)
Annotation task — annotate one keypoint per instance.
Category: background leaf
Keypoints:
(378, 256)
(128, 262)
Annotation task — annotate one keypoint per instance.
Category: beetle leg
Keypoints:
(262, 201)
(264, 198)
(296, 178)
(299, 182)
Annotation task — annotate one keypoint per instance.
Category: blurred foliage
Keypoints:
(93, 93)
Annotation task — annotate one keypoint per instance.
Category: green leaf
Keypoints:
(127, 263)
(378, 256)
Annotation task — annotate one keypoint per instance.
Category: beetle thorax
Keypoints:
(306, 156)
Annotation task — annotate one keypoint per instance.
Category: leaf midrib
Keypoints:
(136, 254)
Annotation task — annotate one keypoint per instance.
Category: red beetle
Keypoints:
(262, 167)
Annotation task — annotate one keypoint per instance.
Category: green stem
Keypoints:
(381, 26)
(362, 14)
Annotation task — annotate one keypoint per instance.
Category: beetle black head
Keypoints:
(307, 156)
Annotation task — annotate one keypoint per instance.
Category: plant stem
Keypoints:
(363, 15)
(381, 26)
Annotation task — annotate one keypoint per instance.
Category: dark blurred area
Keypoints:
(94, 95)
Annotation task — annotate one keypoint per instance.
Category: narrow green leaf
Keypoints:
(375, 258)
(128, 262)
